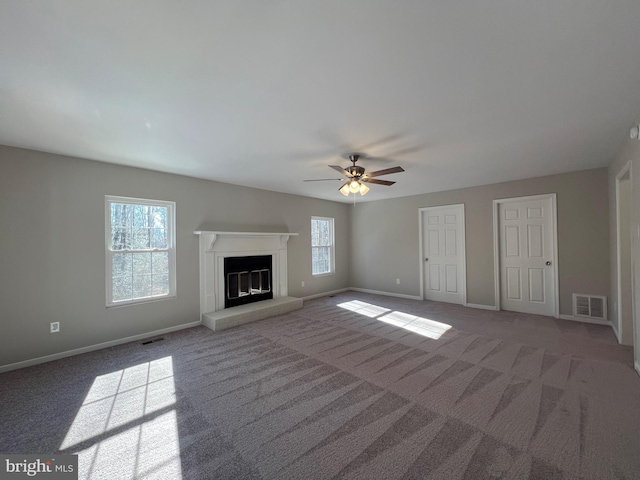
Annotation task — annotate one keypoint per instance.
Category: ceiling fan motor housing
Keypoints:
(355, 171)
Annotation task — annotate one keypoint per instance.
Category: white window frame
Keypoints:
(332, 247)
(171, 248)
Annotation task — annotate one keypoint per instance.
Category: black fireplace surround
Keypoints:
(247, 280)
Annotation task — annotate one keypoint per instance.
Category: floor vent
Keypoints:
(147, 342)
(591, 306)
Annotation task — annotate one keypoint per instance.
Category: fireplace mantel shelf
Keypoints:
(244, 234)
(214, 235)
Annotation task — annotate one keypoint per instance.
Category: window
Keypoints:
(140, 243)
(322, 248)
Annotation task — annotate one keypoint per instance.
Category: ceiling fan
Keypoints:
(357, 178)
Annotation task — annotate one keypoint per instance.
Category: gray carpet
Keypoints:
(354, 386)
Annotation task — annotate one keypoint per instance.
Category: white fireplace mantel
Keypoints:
(215, 246)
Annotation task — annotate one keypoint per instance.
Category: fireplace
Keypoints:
(247, 279)
(217, 246)
(225, 276)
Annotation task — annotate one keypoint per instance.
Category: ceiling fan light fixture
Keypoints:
(356, 177)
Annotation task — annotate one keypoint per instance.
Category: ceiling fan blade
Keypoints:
(322, 179)
(378, 182)
(341, 170)
(386, 171)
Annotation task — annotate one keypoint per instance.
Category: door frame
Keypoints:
(624, 171)
(554, 240)
(421, 210)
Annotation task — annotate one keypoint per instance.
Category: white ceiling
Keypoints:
(267, 93)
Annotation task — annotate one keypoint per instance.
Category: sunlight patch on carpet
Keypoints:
(364, 308)
(127, 424)
(412, 323)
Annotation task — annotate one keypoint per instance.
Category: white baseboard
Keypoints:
(388, 294)
(325, 294)
(614, 327)
(482, 307)
(91, 348)
(594, 321)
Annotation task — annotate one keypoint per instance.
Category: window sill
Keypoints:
(129, 303)
(316, 275)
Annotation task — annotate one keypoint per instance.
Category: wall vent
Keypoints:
(591, 306)
(147, 342)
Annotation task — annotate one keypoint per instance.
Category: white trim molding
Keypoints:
(615, 331)
(388, 294)
(637, 367)
(325, 294)
(482, 307)
(593, 321)
(92, 348)
(554, 231)
(619, 330)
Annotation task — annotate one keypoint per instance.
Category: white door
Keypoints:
(527, 240)
(444, 253)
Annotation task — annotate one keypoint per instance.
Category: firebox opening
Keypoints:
(247, 280)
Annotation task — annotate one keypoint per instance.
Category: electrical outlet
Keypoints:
(397, 281)
(54, 327)
(302, 284)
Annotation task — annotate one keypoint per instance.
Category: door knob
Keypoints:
(548, 263)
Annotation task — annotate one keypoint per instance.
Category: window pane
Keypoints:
(121, 288)
(158, 238)
(120, 215)
(140, 239)
(142, 286)
(320, 232)
(321, 260)
(140, 216)
(160, 284)
(120, 238)
(314, 232)
(160, 262)
(323, 233)
(159, 217)
(142, 263)
(324, 259)
(121, 264)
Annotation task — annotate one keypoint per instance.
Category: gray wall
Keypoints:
(52, 260)
(385, 236)
(52, 243)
